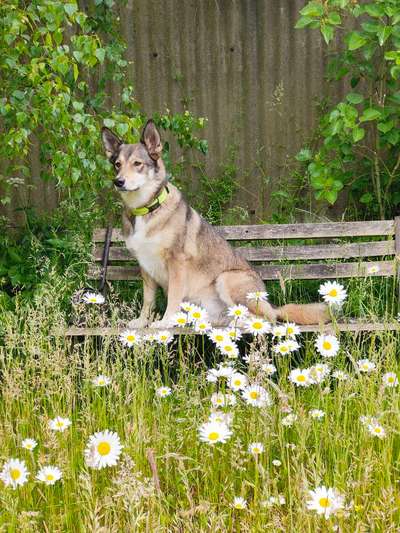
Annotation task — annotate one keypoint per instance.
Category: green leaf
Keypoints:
(331, 196)
(366, 198)
(303, 22)
(355, 40)
(305, 154)
(383, 33)
(100, 53)
(76, 71)
(358, 134)
(327, 32)
(122, 128)
(370, 114)
(384, 127)
(354, 98)
(334, 18)
(70, 9)
(109, 123)
(374, 10)
(312, 9)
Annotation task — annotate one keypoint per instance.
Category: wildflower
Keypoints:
(327, 345)
(289, 420)
(218, 399)
(103, 449)
(197, 314)
(213, 432)
(256, 448)
(292, 345)
(150, 338)
(282, 348)
(274, 500)
(390, 379)
(332, 292)
(317, 413)
(163, 391)
(340, 375)
(239, 503)
(49, 475)
(258, 296)
(234, 333)
(377, 430)
(229, 348)
(219, 336)
(93, 298)
(292, 329)
(59, 423)
(202, 326)
(365, 365)
(276, 462)
(220, 416)
(187, 307)
(29, 444)
(279, 331)
(256, 326)
(268, 368)
(300, 377)
(256, 396)
(238, 381)
(164, 337)
(129, 338)
(319, 372)
(14, 473)
(222, 371)
(368, 420)
(101, 381)
(180, 319)
(325, 501)
(238, 311)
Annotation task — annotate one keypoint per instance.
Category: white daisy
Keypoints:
(325, 501)
(238, 381)
(276, 462)
(218, 399)
(222, 371)
(197, 314)
(101, 381)
(238, 311)
(289, 420)
(163, 391)
(202, 326)
(219, 335)
(319, 372)
(365, 365)
(256, 396)
(234, 333)
(278, 331)
(213, 432)
(59, 424)
(164, 337)
(14, 473)
(377, 430)
(103, 449)
(150, 338)
(180, 319)
(256, 448)
(129, 337)
(327, 345)
(282, 348)
(292, 344)
(220, 416)
(239, 503)
(292, 329)
(187, 306)
(257, 326)
(258, 296)
(317, 413)
(268, 368)
(340, 375)
(49, 474)
(230, 349)
(390, 379)
(332, 292)
(93, 298)
(300, 377)
(29, 444)
(274, 500)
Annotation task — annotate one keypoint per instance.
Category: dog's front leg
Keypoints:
(149, 299)
(176, 292)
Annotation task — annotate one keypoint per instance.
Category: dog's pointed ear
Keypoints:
(111, 143)
(152, 140)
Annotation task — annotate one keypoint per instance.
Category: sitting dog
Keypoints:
(177, 249)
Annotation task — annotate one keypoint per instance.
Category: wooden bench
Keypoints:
(275, 260)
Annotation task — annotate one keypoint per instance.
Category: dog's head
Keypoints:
(137, 166)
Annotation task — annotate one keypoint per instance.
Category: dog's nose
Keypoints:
(119, 182)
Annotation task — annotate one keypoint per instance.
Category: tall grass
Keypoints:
(169, 481)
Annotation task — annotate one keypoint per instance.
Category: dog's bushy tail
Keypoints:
(303, 314)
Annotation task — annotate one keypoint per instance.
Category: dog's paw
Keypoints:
(138, 323)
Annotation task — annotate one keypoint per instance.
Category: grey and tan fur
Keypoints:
(178, 250)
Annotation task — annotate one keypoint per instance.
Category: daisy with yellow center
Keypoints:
(238, 381)
(29, 444)
(268, 368)
(180, 319)
(187, 307)
(282, 348)
(14, 473)
(59, 423)
(374, 269)
(292, 329)
(257, 296)
(327, 345)
(278, 331)
(319, 372)
(256, 326)
(377, 430)
(239, 503)
(214, 432)
(317, 414)
(49, 475)
(202, 326)
(163, 391)
(256, 448)
(218, 336)
(101, 381)
(390, 379)
(325, 501)
(230, 349)
(256, 396)
(238, 311)
(93, 298)
(164, 337)
(220, 416)
(129, 338)
(197, 314)
(365, 365)
(234, 333)
(103, 449)
(333, 293)
(300, 377)
(218, 399)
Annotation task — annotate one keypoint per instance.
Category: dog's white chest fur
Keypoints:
(148, 250)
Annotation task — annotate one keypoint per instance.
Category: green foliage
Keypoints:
(360, 147)
(55, 61)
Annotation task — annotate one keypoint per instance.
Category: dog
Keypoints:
(177, 249)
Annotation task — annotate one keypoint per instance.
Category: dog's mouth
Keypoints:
(124, 189)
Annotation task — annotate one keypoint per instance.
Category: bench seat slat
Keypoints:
(273, 272)
(277, 253)
(288, 231)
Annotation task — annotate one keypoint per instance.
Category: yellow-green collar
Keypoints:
(140, 211)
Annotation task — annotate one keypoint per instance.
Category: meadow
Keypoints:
(259, 466)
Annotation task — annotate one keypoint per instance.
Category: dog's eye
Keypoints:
(137, 163)
(117, 164)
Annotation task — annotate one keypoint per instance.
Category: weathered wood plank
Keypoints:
(277, 253)
(353, 326)
(273, 272)
(288, 231)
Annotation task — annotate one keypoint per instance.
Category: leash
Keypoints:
(104, 259)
